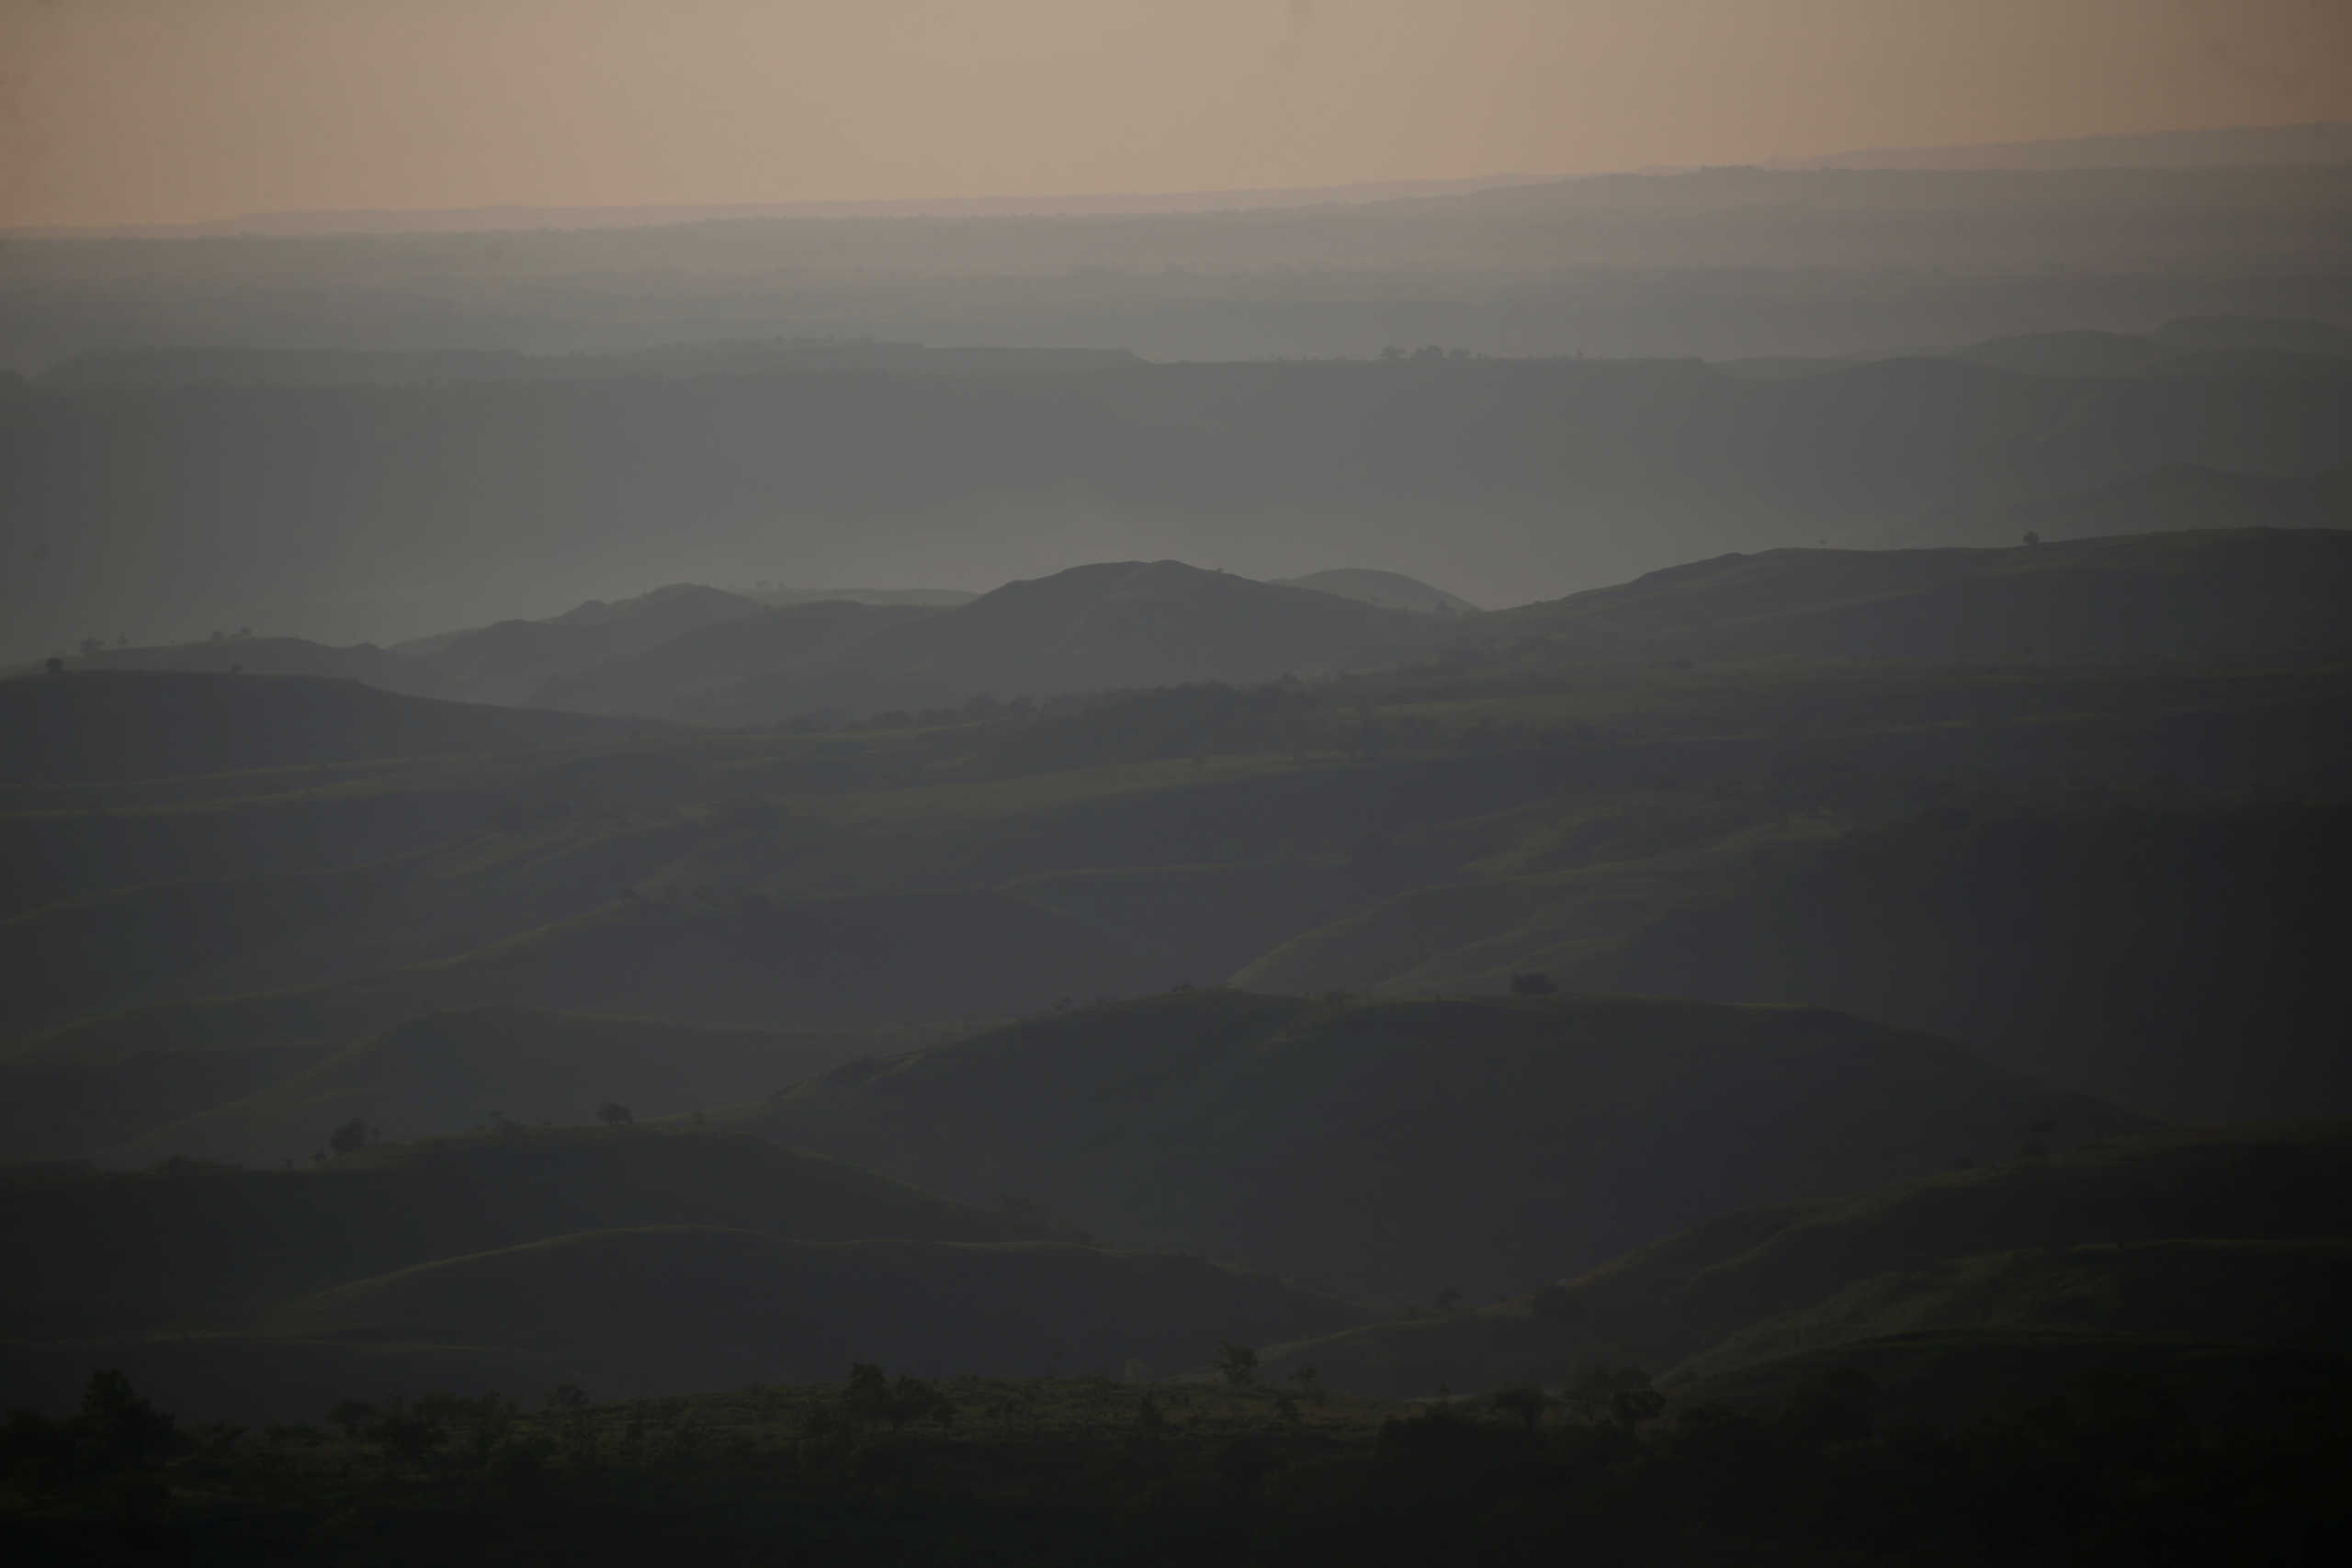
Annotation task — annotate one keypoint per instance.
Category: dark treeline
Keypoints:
(2108, 1469)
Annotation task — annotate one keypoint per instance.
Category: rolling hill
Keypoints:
(682, 1307)
(691, 672)
(1388, 590)
(2180, 497)
(202, 1247)
(2232, 1238)
(508, 661)
(2278, 1294)
(2181, 962)
(1089, 628)
(2177, 957)
(95, 725)
(445, 1073)
(846, 963)
(2244, 596)
(1387, 1150)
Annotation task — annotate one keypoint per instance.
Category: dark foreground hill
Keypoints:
(449, 1071)
(1396, 1149)
(198, 1247)
(2184, 963)
(821, 965)
(2179, 956)
(2231, 1238)
(84, 727)
(2244, 597)
(696, 1307)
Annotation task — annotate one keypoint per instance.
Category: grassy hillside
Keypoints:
(2286, 1295)
(1392, 1149)
(686, 1307)
(819, 964)
(2181, 962)
(203, 1246)
(2108, 1238)
(447, 1073)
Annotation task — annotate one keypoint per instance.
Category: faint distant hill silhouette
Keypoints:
(95, 725)
(508, 661)
(2244, 596)
(694, 674)
(515, 216)
(1089, 628)
(2252, 146)
(1388, 590)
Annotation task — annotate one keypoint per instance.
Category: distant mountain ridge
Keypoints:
(1388, 590)
(2251, 146)
(2249, 595)
(1115, 625)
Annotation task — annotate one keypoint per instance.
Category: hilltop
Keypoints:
(1090, 628)
(1389, 590)
(501, 664)
(510, 661)
(2244, 597)
(1393, 1149)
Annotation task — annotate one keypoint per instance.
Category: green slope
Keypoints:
(203, 1246)
(447, 1073)
(843, 963)
(686, 1307)
(2155, 1201)
(2288, 1294)
(1389, 1149)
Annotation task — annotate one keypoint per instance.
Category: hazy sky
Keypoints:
(162, 110)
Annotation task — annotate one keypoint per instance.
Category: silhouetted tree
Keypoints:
(123, 1430)
(613, 1113)
(1238, 1364)
(351, 1137)
(1525, 1402)
(54, 665)
(1620, 1395)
